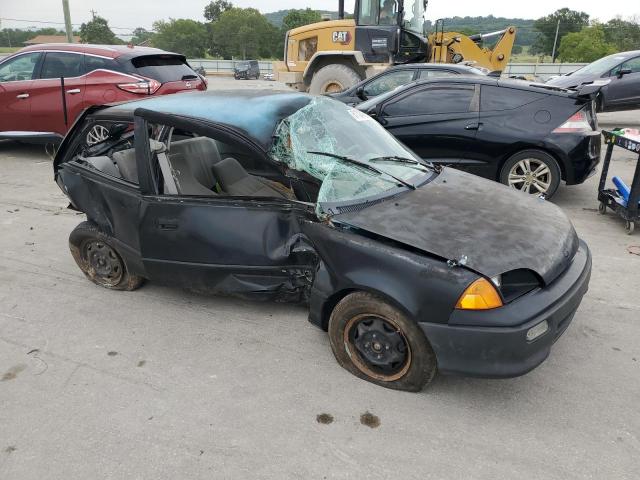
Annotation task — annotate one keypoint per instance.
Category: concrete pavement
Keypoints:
(629, 118)
(165, 384)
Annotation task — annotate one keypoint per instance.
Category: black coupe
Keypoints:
(528, 136)
(284, 196)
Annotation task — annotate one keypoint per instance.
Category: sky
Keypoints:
(129, 14)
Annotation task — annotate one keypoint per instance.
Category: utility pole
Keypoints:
(67, 20)
(555, 42)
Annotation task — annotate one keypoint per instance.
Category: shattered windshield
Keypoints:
(350, 153)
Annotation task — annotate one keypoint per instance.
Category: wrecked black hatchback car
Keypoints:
(289, 197)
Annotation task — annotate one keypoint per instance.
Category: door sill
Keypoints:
(32, 137)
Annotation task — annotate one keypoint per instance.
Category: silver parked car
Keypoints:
(623, 72)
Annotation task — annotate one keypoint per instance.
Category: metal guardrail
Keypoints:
(539, 71)
(226, 66)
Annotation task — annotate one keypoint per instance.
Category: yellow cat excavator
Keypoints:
(332, 55)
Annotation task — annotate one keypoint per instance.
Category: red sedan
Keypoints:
(43, 88)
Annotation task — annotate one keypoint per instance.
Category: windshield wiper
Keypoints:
(396, 159)
(363, 165)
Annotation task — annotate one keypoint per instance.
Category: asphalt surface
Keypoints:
(165, 384)
(628, 118)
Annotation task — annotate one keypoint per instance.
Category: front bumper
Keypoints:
(503, 351)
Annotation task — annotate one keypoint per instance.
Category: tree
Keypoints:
(587, 45)
(15, 37)
(570, 21)
(184, 36)
(97, 31)
(298, 18)
(244, 33)
(140, 35)
(624, 34)
(216, 8)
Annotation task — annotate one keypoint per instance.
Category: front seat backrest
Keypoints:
(105, 165)
(126, 162)
(201, 153)
(187, 182)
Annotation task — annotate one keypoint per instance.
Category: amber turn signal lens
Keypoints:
(480, 295)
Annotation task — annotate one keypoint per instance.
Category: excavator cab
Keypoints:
(391, 31)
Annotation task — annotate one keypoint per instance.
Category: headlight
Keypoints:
(480, 295)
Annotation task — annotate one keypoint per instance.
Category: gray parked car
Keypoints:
(246, 70)
(401, 75)
(623, 72)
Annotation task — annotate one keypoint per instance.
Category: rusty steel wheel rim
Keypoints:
(103, 263)
(377, 347)
(332, 87)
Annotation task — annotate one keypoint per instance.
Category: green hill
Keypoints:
(467, 25)
(526, 35)
(276, 18)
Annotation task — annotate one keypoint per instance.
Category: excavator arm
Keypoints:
(454, 47)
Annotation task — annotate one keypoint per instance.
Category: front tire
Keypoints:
(376, 342)
(99, 260)
(332, 79)
(532, 171)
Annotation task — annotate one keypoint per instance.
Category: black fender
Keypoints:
(423, 287)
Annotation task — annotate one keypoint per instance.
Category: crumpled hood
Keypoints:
(459, 215)
(571, 81)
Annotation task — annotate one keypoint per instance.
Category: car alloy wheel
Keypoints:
(530, 175)
(98, 133)
(378, 347)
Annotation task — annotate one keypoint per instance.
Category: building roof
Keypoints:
(50, 39)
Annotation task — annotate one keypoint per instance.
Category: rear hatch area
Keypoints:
(171, 70)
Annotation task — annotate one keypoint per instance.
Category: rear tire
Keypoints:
(532, 171)
(376, 342)
(333, 78)
(99, 260)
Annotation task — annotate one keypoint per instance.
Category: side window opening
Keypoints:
(206, 166)
(494, 98)
(433, 100)
(436, 73)
(114, 155)
(633, 65)
(19, 68)
(58, 64)
(389, 81)
(98, 63)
